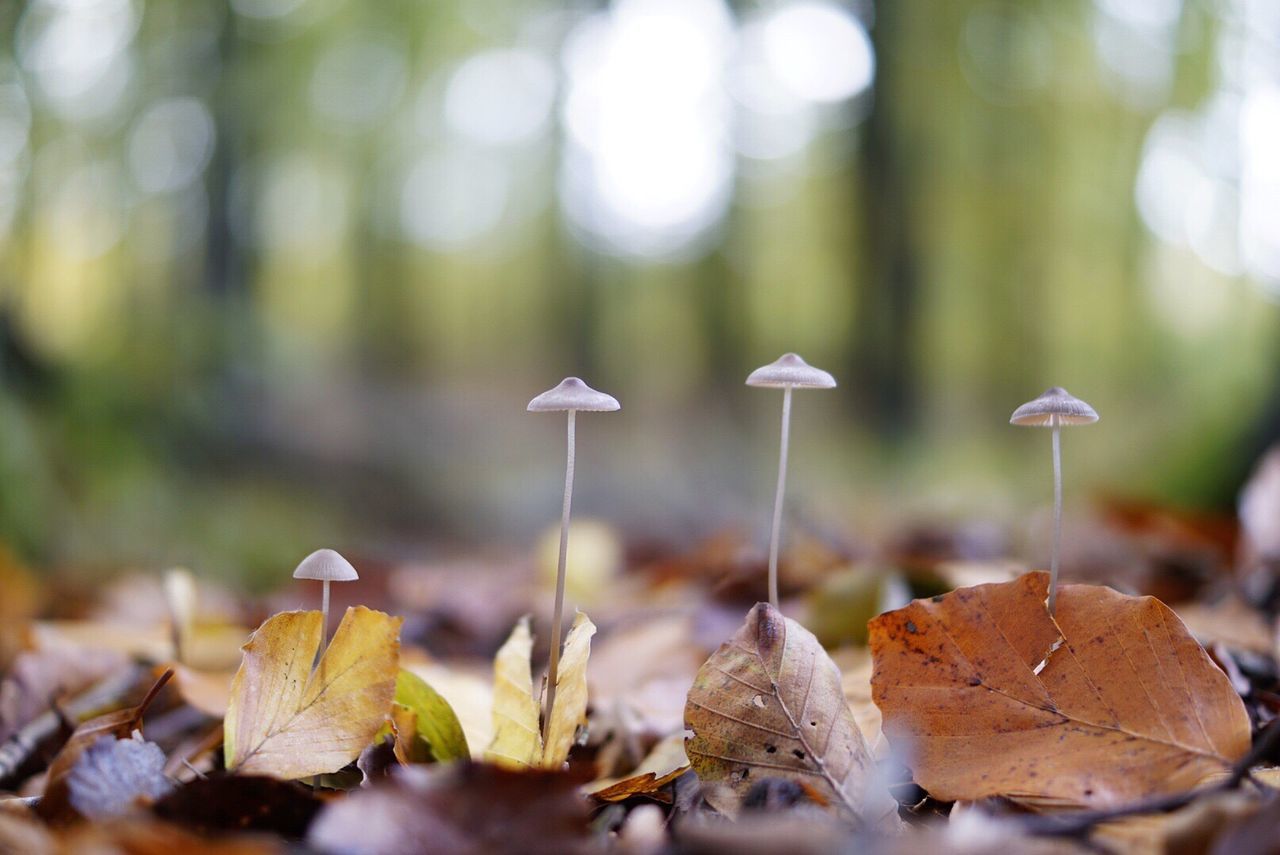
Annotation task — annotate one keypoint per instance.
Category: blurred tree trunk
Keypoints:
(884, 346)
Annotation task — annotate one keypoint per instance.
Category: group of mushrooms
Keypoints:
(1055, 409)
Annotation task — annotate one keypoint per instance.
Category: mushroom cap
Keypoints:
(573, 394)
(790, 370)
(325, 565)
(1056, 406)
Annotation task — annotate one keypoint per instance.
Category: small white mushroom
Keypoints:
(1054, 409)
(787, 373)
(326, 565)
(570, 396)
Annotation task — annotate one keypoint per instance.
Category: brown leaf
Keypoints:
(25, 834)
(768, 703)
(665, 763)
(240, 803)
(460, 808)
(145, 836)
(1106, 702)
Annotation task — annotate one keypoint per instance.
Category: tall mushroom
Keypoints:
(570, 396)
(326, 565)
(787, 373)
(1054, 409)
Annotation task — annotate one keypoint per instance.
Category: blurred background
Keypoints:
(277, 274)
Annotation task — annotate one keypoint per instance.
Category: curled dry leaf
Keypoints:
(570, 713)
(768, 703)
(1108, 701)
(666, 762)
(285, 720)
(517, 742)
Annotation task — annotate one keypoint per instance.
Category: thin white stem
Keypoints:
(325, 608)
(778, 496)
(557, 618)
(1057, 515)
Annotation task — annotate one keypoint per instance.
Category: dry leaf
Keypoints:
(1229, 621)
(666, 762)
(240, 803)
(570, 713)
(209, 646)
(289, 722)
(24, 834)
(517, 742)
(855, 681)
(144, 836)
(207, 691)
(768, 703)
(465, 808)
(1112, 702)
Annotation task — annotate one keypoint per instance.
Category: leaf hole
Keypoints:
(770, 749)
(813, 724)
(758, 700)
(799, 754)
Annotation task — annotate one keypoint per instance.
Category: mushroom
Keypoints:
(326, 565)
(787, 373)
(1055, 408)
(570, 396)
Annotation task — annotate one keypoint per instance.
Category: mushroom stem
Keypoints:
(557, 618)
(1057, 514)
(324, 607)
(777, 499)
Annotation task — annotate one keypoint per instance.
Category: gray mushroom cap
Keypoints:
(325, 565)
(1056, 406)
(790, 370)
(573, 394)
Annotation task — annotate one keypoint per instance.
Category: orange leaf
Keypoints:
(1108, 701)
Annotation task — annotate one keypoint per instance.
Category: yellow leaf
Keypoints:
(570, 711)
(285, 720)
(516, 742)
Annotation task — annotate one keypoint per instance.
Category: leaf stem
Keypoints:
(778, 496)
(557, 619)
